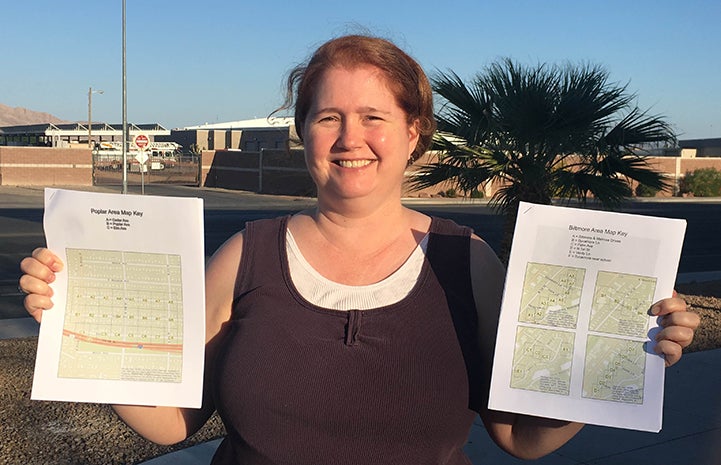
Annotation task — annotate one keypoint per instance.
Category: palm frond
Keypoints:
(465, 111)
(463, 166)
(635, 129)
(608, 191)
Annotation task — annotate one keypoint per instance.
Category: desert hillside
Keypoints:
(18, 116)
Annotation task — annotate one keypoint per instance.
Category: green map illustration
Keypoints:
(614, 361)
(123, 318)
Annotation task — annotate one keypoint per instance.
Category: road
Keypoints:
(227, 211)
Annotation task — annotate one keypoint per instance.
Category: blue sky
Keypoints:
(192, 62)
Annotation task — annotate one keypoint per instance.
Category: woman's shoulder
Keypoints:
(228, 252)
(447, 226)
(420, 221)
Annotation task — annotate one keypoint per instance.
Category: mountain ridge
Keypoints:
(18, 116)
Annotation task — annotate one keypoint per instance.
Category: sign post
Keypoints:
(141, 142)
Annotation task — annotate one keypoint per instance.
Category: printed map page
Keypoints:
(575, 337)
(128, 318)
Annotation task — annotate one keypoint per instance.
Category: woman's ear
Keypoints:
(413, 137)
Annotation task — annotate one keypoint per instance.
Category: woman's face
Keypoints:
(357, 139)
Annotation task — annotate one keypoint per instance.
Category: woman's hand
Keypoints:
(39, 272)
(677, 325)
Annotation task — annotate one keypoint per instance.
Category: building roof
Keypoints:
(257, 123)
(75, 129)
(699, 143)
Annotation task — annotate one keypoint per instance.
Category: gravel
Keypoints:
(60, 433)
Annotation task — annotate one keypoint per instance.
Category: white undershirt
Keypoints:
(325, 293)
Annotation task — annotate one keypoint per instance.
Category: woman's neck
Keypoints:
(358, 246)
(361, 227)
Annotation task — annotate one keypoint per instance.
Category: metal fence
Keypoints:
(178, 169)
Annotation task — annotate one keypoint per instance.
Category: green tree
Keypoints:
(541, 132)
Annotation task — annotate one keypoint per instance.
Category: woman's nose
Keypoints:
(350, 136)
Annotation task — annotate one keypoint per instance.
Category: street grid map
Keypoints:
(123, 318)
(615, 358)
(551, 295)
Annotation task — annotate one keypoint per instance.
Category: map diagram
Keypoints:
(614, 370)
(123, 318)
(542, 360)
(551, 295)
(620, 304)
(543, 353)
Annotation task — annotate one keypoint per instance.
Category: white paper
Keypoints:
(575, 335)
(127, 325)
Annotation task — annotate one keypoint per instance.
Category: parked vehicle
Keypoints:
(161, 155)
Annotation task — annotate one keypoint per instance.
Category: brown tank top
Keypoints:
(302, 385)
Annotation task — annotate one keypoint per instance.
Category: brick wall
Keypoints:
(42, 166)
(282, 172)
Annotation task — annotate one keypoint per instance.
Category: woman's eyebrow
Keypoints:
(365, 109)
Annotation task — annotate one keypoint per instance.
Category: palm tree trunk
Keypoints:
(509, 226)
(538, 194)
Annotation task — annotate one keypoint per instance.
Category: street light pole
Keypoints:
(90, 115)
(125, 112)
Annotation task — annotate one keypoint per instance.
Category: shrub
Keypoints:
(703, 182)
(452, 193)
(642, 190)
(476, 194)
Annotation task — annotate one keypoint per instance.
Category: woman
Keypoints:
(360, 331)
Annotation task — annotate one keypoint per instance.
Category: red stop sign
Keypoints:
(141, 141)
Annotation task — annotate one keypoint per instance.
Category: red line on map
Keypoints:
(125, 344)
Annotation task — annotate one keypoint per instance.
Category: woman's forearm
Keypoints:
(529, 437)
(161, 425)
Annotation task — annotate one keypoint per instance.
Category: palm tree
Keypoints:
(541, 132)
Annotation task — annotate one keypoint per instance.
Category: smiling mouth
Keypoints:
(353, 163)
